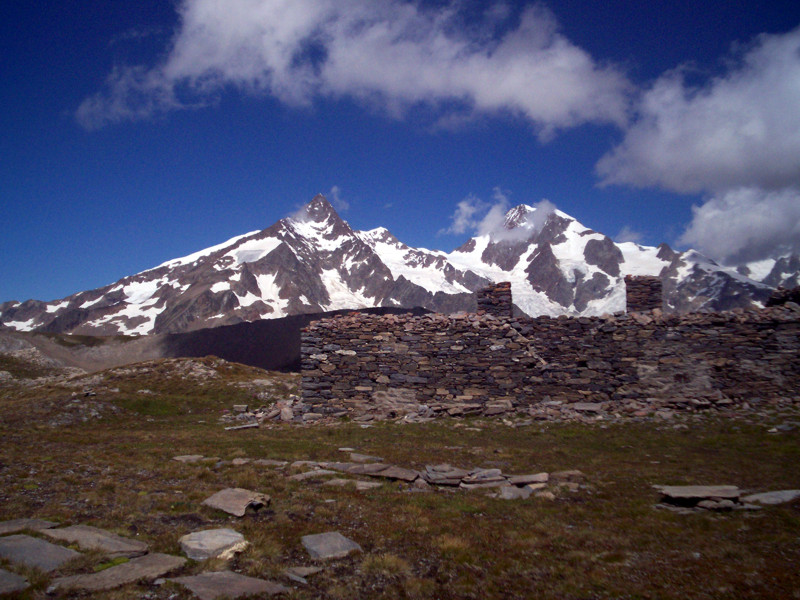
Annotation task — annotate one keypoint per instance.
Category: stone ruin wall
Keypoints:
(643, 293)
(491, 363)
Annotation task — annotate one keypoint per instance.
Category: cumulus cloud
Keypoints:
(391, 54)
(735, 140)
(464, 218)
(741, 129)
(746, 224)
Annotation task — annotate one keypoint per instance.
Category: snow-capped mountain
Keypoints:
(314, 262)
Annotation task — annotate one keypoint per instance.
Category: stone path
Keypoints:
(149, 566)
(9, 582)
(688, 498)
(325, 546)
(92, 538)
(237, 501)
(17, 525)
(32, 552)
(212, 543)
(432, 475)
(778, 497)
(226, 584)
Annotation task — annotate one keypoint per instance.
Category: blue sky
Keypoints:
(133, 133)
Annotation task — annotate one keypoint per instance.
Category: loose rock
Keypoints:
(92, 538)
(237, 501)
(149, 567)
(227, 584)
(212, 543)
(330, 545)
(32, 552)
(10, 582)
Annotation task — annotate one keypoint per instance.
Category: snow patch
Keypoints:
(760, 269)
(640, 260)
(90, 303)
(341, 296)
(190, 258)
(220, 286)
(317, 234)
(139, 292)
(21, 325)
(253, 250)
(57, 307)
(270, 294)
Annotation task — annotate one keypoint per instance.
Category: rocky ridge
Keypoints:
(315, 262)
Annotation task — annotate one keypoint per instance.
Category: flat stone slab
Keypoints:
(17, 525)
(778, 497)
(511, 492)
(188, 458)
(92, 538)
(269, 462)
(212, 543)
(526, 479)
(237, 501)
(367, 469)
(10, 582)
(697, 493)
(150, 566)
(586, 406)
(364, 458)
(32, 552)
(361, 486)
(325, 546)
(312, 474)
(396, 473)
(227, 584)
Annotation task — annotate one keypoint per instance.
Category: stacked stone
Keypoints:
(480, 364)
(643, 293)
(496, 300)
(782, 295)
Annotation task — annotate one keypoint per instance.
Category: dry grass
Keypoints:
(603, 541)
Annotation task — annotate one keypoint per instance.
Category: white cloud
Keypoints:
(627, 234)
(741, 129)
(735, 139)
(464, 218)
(480, 218)
(339, 203)
(392, 54)
(746, 224)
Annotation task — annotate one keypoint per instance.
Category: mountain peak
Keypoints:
(517, 216)
(319, 210)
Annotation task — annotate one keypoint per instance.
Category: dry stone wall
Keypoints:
(397, 365)
(643, 293)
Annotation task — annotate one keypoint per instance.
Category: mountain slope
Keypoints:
(314, 262)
